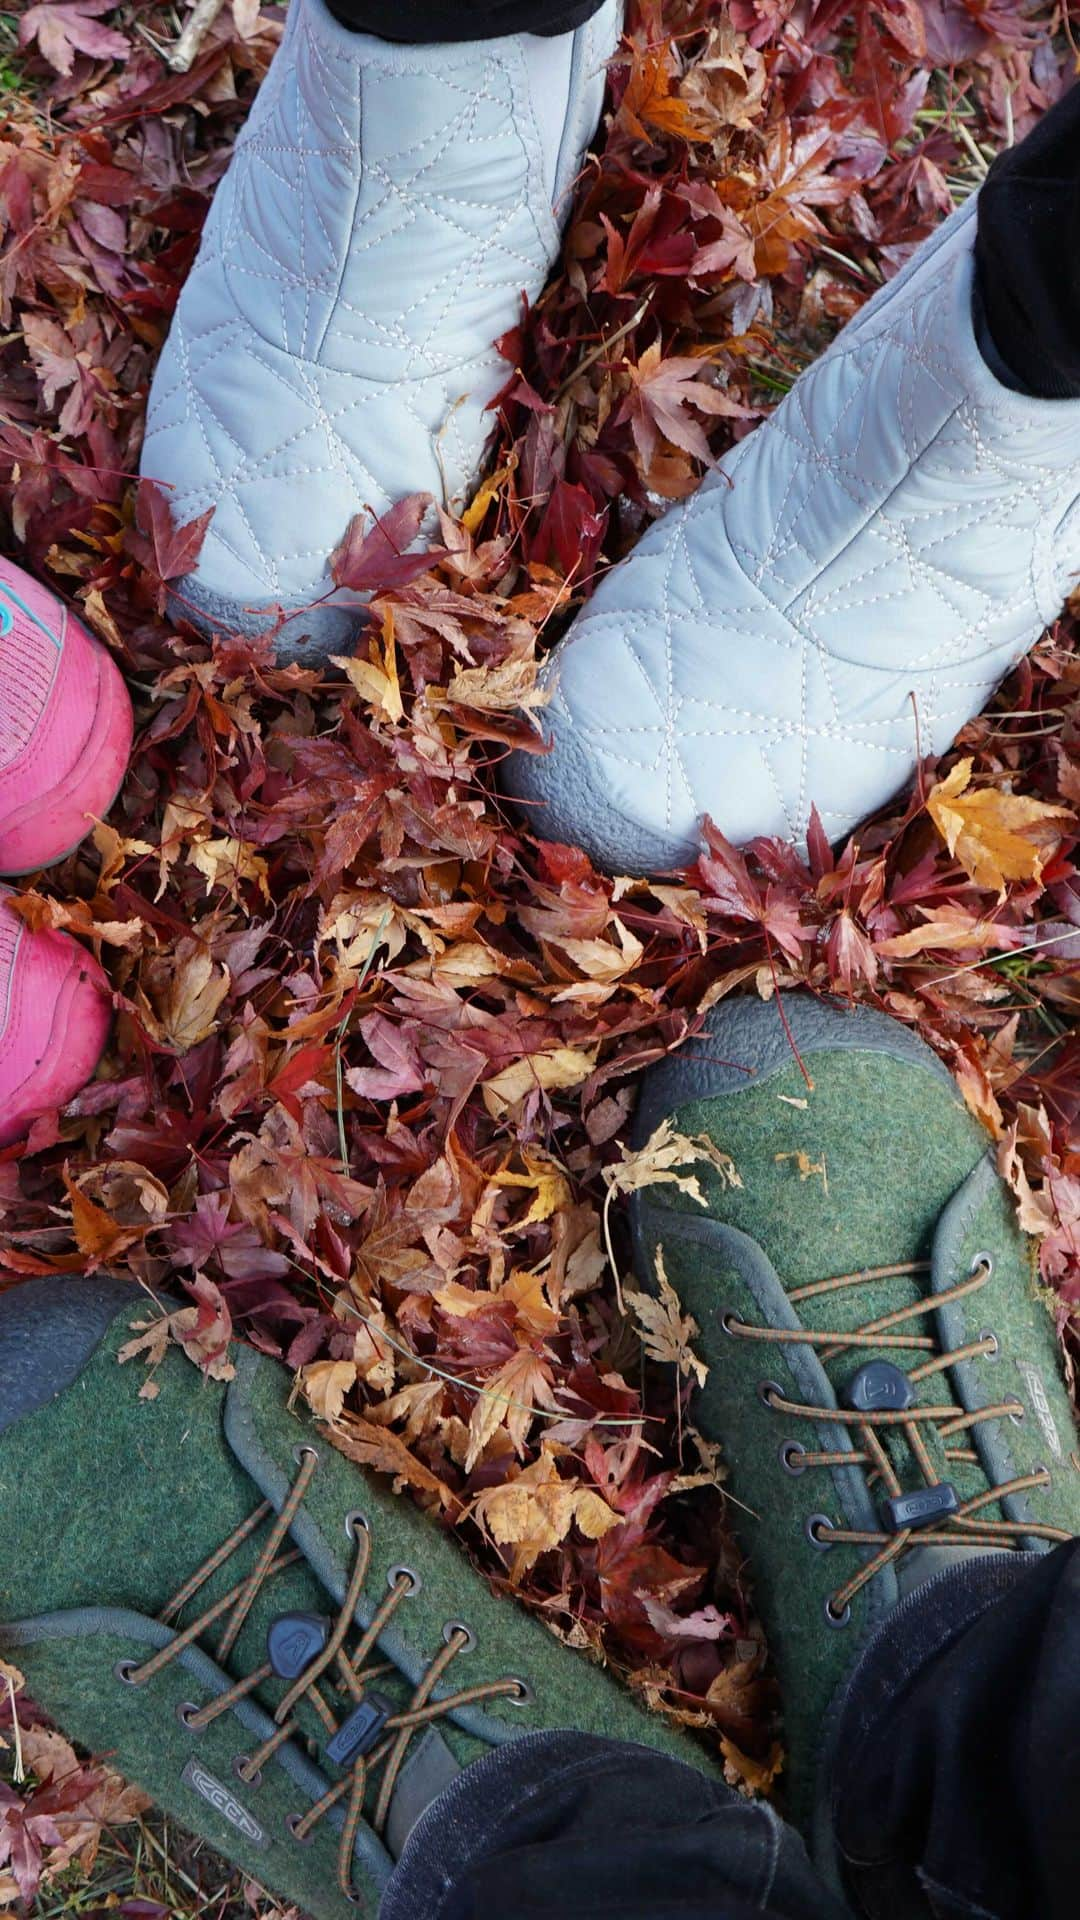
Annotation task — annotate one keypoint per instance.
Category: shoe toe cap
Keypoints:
(49, 1329)
(55, 1005)
(576, 796)
(309, 635)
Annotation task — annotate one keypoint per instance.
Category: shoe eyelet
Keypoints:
(835, 1619)
(789, 1453)
(982, 1259)
(184, 1711)
(354, 1899)
(766, 1388)
(1041, 1467)
(727, 1325)
(306, 1448)
(292, 1821)
(993, 1353)
(356, 1519)
(1018, 1414)
(239, 1767)
(124, 1669)
(394, 1574)
(816, 1527)
(524, 1697)
(450, 1627)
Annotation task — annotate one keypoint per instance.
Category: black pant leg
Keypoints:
(958, 1758)
(1027, 257)
(424, 22)
(564, 1826)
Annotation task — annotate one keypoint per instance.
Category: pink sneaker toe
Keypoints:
(55, 1014)
(65, 726)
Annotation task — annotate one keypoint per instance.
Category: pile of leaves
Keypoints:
(367, 1096)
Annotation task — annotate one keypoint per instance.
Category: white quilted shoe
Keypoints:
(384, 210)
(888, 544)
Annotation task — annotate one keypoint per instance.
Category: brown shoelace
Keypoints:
(967, 1526)
(352, 1674)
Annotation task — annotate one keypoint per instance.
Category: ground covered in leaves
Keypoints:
(375, 1049)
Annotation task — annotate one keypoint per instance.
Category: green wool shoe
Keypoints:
(883, 1373)
(290, 1659)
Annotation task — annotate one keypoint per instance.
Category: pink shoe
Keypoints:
(65, 726)
(55, 1014)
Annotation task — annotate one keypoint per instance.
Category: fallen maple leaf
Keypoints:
(511, 1398)
(996, 836)
(399, 1071)
(535, 1511)
(546, 1072)
(205, 1329)
(660, 393)
(666, 1331)
(544, 1179)
(952, 929)
(225, 862)
(657, 1163)
(97, 1235)
(187, 988)
(374, 554)
(748, 1775)
(63, 28)
(166, 550)
(649, 101)
(325, 1384)
(386, 1452)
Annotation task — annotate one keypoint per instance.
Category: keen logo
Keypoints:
(224, 1802)
(1033, 1381)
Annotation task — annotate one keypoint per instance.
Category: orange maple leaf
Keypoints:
(649, 101)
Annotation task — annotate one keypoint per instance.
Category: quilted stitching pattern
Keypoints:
(383, 212)
(885, 546)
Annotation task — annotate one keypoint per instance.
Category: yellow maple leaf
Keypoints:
(225, 861)
(483, 497)
(376, 678)
(527, 1292)
(563, 1067)
(666, 1331)
(325, 1384)
(187, 988)
(511, 1398)
(656, 1164)
(551, 1189)
(536, 1511)
(996, 836)
(747, 1775)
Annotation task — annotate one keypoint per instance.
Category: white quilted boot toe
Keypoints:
(385, 208)
(847, 587)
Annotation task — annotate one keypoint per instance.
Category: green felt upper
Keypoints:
(894, 1169)
(108, 1502)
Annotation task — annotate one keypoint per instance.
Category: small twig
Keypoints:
(1011, 953)
(597, 353)
(490, 1393)
(615, 1274)
(201, 19)
(171, 1865)
(965, 139)
(20, 1769)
